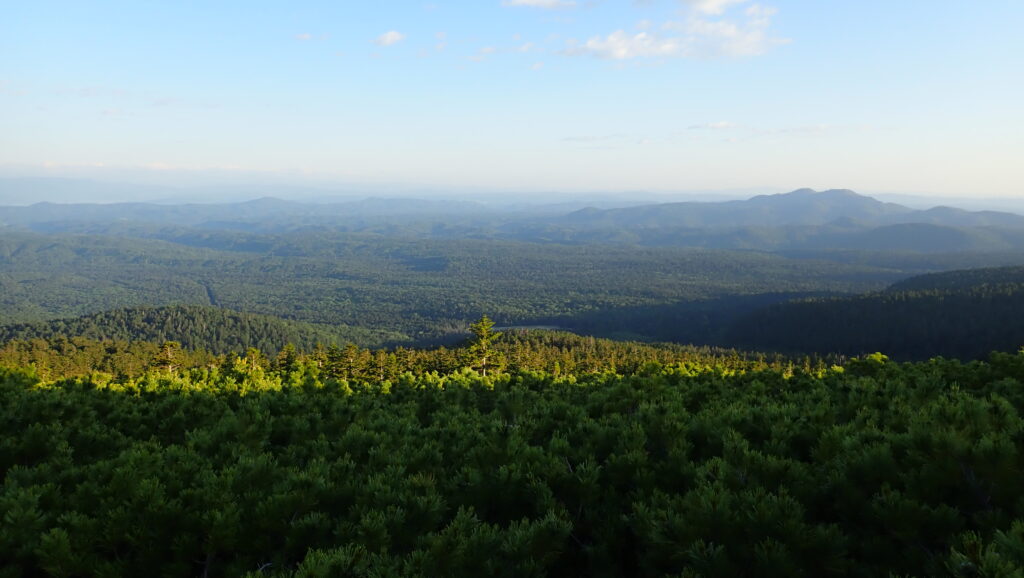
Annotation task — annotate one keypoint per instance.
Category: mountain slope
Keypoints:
(968, 279)
(195, 327)
(800, 207)
(963, 314)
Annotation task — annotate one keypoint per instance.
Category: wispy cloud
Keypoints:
(594, 138)
(698, 35)
(309, 36)
(720, 125)
(620, 45)
(749, 36)
(390, 38)
(483, 53)
(546, 4)
(714, 7)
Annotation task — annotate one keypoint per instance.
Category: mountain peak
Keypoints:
(843, 197)
(826, 193)
(800, 207)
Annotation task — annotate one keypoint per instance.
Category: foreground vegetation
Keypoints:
(695, 463)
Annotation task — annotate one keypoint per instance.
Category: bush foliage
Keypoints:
(684, 468)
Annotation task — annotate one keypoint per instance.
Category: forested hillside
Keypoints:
(962, 314)
(230, 399)
(969, 279)
(681, 468)
(147, 276)
(416, 273)
(423, 290)
(196, 327)
(518, 350)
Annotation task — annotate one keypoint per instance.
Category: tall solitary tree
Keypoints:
(167, 358)
(481, 349)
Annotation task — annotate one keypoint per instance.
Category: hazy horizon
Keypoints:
(28, 190)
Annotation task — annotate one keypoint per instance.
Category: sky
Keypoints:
(520, 95)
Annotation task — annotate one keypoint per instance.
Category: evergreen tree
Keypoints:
(287, 359)
(167, 358)
(481, 350)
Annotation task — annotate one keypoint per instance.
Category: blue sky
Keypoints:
(521, 95)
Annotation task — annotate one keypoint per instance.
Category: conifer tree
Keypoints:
(287, 359)
(167, 358)
(481, 349)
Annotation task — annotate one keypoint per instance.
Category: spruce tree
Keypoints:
(481, 350)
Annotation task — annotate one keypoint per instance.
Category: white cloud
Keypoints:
(714, 7)
(389, 38)
(759, 11)
(622, 46)
(537, 66)
(696, 36)
(729, 37)
(304, 36)
(546, 4)
(483, 53)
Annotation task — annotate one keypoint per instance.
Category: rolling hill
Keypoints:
(962, 314)
(801, 207)
(195, 327)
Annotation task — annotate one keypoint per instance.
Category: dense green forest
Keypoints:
(284, 389)
(197, 327)
(969, 279)
(673, 462)
(415, 273)
(962, 314)
(519, 350)
(420, 289)
(228, 291)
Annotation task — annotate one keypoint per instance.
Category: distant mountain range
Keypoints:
(797, 221)
(800, 220)
(838, 207)
(804, 207)
(263, 209)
